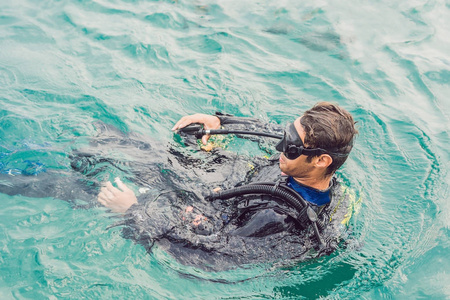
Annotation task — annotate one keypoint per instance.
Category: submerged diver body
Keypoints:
(219, 230)
(216, 230)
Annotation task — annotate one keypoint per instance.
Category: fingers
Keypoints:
(101, 201)
(183, 122)
(110, 188)
(198, 220)
(118, 200)
(210, 122)
(121, 185)
(106, 192)
(103, 198)
(205, 139)
(109, 191)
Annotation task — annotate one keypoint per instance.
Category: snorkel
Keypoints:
(291, 144)
(198, 131)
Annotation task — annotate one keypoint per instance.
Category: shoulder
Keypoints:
(344, 203)
(264, 169)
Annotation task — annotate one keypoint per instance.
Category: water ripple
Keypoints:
(140, 65)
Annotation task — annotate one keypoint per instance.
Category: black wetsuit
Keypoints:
(242, 230)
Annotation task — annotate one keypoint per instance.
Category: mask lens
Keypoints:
(281, 146)
(291, 144)
(292, 152)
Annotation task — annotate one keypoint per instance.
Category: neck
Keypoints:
(319, 184)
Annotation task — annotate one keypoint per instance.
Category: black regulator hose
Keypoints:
(256, 188)
(306, 212)
(198, 131)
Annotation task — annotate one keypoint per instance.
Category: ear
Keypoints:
(323, 161)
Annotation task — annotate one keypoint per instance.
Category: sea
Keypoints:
(140, 65)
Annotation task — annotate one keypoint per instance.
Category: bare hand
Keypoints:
(208, 121)
(117, 199)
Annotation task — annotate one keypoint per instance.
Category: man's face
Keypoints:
(298, 167)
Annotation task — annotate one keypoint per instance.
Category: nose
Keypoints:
(280, 146)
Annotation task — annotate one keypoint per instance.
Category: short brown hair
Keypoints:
(332, 128)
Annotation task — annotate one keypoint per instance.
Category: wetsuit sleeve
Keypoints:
(255, 233)
(226, 119)
(142, 223)
(230, 121)
(165, 218)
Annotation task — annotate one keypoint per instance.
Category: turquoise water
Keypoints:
(140, 65)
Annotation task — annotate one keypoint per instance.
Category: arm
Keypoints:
(123, 200)
(220, 119)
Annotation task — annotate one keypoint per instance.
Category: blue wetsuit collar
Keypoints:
(312, 195)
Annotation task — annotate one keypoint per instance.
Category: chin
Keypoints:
(283, 170)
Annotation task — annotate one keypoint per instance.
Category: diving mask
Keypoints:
(292, 145)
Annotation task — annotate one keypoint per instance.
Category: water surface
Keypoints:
(140, 65)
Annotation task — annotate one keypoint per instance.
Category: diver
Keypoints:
(288, 207)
